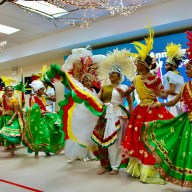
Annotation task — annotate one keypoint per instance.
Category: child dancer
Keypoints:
(43, 130)
(10, 121)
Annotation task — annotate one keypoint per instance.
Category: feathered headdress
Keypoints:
(78, 57)
(189, 50)
(98, 59)
(82, 63)
(143, 49)
(8, 81)
(91, 70)
(174, 54)
(44, 70)
(118, 61)
(44, 76)
(82, 52)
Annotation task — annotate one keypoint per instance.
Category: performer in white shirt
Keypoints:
(50, 96)
(172, 80)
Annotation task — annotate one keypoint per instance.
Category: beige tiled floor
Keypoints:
(56, 175)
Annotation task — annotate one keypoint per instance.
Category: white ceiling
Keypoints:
(47, 38)
(34, 26)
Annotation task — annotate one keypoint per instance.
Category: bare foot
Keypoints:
(101, 171)
(6, 150)
(70, 160)
(48, 154)
(10, 155)
(113, 172)
(36, 157)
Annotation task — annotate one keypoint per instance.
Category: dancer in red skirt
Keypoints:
(148, 87)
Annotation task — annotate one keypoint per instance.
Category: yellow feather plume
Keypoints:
(44, 70)
(123, 59)
(7, 80)
(174, 51)
(143, 49)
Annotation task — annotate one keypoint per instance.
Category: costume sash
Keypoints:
(8, 104)
(37, 100)
(145, 95)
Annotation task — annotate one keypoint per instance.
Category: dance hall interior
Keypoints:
(87, 89)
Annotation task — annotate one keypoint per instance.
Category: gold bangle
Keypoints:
(158, 104)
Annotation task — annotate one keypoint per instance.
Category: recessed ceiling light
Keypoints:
(8, 30)
(42, 8)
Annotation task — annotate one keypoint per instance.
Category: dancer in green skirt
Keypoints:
(11, 122)
(43, 130)
(170, 141)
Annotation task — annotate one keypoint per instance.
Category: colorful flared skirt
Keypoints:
(78, 123)
(170, 142)
(43, 132)
(99, 132)
(10, 134)
(132, 142)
